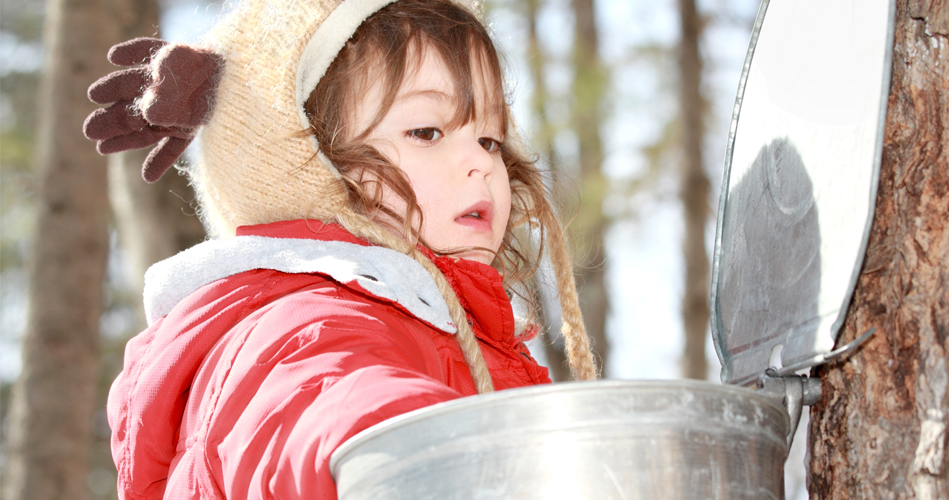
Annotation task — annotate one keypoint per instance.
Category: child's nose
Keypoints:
(478, 161)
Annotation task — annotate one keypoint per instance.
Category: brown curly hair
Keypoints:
(385, 48)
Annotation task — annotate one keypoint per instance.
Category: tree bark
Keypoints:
(53, 400)
(154, 221)
(544, 283)
(590, 224)
(693, 192)
(880, 430)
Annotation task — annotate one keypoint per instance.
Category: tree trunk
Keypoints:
(154, 221)
(53, 400)
(589, 226)
(544, 282)
(880, 430)
(693, 192)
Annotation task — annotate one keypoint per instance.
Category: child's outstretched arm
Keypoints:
(305, 364)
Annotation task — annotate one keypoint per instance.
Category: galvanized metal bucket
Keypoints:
(602, 440)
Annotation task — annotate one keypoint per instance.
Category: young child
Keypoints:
(358, 269)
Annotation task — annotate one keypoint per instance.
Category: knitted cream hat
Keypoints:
(255, 165)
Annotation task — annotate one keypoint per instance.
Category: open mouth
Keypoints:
(479, 213)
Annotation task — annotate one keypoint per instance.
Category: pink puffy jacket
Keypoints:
(267, 351)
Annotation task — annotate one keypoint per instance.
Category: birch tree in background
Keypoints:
(589, 228)
(693, 192)
(881, 429)
(544, 286)
(64, 378)
(153, 221)
(587, 222)
(53, 400)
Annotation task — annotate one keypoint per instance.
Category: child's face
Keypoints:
(458, 176)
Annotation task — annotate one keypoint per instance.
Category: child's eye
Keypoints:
(490, 145)
(426, 134)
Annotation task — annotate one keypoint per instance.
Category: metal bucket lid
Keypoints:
(799, 183)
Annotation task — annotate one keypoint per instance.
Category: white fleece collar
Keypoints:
(380, 271)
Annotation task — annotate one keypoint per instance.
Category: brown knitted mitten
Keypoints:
(164, 98)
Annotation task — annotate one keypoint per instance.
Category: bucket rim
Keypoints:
(459, 405)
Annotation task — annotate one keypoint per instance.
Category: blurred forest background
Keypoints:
(630, 99)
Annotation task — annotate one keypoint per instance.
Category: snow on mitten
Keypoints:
(163, 99)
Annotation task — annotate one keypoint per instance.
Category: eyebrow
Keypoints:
(436, 95)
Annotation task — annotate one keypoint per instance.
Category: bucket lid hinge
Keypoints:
(797, 391)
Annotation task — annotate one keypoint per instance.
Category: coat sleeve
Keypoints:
(310, 373)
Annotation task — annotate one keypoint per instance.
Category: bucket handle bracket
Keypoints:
(797, 391)
(794, 392)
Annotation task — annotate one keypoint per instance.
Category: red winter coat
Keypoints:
(267, 351)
